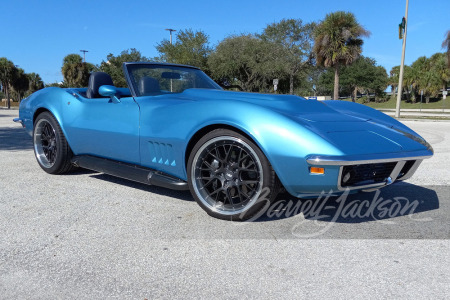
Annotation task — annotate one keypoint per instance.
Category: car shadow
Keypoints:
(182, 195)
(15, 139)
(7, 116)
(401, 199)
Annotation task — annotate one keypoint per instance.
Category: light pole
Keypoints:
(170, 30)
(402, 65)
(84, 54)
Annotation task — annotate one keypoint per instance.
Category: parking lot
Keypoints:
(87, 235)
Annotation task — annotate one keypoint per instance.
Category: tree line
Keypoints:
(307, 59)
(426, 76)
(15, 83)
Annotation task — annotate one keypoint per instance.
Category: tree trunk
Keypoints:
(427, 99)
(355, 94)
(291, 84)
(336, 83)
(413, 95)
(8, 103)
(408, 95)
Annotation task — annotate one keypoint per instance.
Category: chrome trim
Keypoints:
(412, 170)
(345, 160)
(396, 171)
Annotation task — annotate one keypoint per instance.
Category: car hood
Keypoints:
(351, 134)
(293, 106)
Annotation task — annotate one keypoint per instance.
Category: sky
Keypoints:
(37, 34)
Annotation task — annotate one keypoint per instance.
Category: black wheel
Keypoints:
(50, 146)
(230, 177)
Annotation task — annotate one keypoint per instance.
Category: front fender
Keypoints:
(52, 99)
(285, 142)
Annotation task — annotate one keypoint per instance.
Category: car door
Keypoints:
(105, 129)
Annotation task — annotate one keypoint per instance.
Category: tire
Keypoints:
(230, 177)
(50, 146)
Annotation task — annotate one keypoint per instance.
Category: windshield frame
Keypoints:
(128, 67)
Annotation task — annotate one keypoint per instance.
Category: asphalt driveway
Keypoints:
(87, 235)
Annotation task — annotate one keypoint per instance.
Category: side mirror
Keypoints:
(109, 91)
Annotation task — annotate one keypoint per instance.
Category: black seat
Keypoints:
(149, 86)
(96, 80)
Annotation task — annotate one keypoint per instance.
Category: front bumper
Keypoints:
(345, 160)
(371, 171)
(19, 120)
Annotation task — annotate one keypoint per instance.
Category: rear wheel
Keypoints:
(50, 146)
(230, 177)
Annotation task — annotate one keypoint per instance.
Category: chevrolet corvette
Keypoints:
(176, 128)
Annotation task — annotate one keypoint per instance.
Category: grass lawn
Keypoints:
(434, 104)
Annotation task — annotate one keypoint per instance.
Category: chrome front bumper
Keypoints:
(345, 160)
(401, 158)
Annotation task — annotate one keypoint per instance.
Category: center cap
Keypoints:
(229, 175)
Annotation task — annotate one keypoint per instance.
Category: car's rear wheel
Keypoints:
(50, 146)
(230, 177)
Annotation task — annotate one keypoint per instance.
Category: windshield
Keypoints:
(152, 80)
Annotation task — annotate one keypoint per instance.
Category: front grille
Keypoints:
(357, 175)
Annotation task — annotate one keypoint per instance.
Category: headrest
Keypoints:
(96, 80)
(148, 86)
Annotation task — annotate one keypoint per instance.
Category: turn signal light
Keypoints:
(316, 170)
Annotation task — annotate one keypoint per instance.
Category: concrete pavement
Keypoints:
(87, 236)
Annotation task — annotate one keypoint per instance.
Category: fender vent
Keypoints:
(162, 153)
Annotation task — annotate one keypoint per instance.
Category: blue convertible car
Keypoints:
(175, 127)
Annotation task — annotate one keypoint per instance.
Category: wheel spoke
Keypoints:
(247, 182)
(244, 157)
(229, 197)
(208, 183)
(247, 169)
(238, 188)
(216, 191)
(210, 168)
(227, 153)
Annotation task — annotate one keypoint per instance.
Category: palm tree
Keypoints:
(20, 84)
(446, 45)
(7, 70)
(338, 42)
(410, 83)
(75, 71)
(427, 78)
(35, 81)
(439, 66)
(393, 79)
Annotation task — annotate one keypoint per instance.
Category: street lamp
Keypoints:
(170, 30)
(402, 65)
(84, 54)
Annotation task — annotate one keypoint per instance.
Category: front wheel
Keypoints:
(50, 146)
(230, 177)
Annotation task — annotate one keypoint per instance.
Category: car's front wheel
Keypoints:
(230, 177)
(50, 146)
